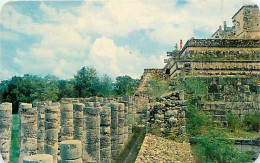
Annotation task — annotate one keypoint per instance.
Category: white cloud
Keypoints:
(9, 36)
(115, 60)
(66, 46)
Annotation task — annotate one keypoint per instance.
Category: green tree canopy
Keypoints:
(29, 88)
(125, 85)
(86, 82)
(106, 86)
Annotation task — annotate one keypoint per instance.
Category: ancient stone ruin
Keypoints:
(72, 130)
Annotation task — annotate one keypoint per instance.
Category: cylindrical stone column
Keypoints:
(105, 135)
(71, 151)
(40, 124)
(39, 158)
(114, 128)
(126, 122)
(28, 130)
(78, 121)
(51, 131)
(92, 129)
(5, 130)
(130, 115)
(121, 119)
(67, 122)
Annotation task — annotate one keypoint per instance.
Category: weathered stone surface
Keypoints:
(5, 130)
(38, 158)
(72, 161)
(157, 149)
(70, 149)
(67, 127)
(91, 136)
(28, 130)
(51, 131)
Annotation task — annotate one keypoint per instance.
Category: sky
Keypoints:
(115, 37)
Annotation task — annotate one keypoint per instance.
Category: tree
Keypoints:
(67, 88)
(125, 85)
(106, 86)
(86, 82)
(29, 88)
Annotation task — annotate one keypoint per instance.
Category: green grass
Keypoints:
(14, 155)
(242, 134)
(132, 146)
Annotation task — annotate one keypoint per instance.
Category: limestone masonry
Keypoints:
(70, 131)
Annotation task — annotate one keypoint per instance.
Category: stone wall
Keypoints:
(246, 22)
(221, 43)
(239, 95)
(169, 112)
(216, 67)
(221, 53)
(99, 129)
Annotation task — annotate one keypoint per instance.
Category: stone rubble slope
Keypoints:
(157, 149)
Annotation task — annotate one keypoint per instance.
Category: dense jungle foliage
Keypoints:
(86, 83)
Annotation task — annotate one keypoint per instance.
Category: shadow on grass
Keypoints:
(14, 155)
(131, 150)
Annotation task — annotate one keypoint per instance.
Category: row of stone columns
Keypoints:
(102, 127)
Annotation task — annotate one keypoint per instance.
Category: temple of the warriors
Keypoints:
(229, 65)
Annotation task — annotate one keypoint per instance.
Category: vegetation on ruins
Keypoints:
(156, 87)
(86, 83)
(212, 146)
(251, 122)
(212, 143)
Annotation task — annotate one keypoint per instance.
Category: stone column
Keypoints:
(105, 137)
(114, 128)
(131, 115)
(71, 151)
(78, 121)
(40, 124)
(28, 130)
(5, 130)
(39, 158)
(92, 129)
(51, 131)
(67, 122)
(121, 119)
(126, 122)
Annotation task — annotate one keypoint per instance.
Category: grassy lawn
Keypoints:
(132, 148)
(14, 155)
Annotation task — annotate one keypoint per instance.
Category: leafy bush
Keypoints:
(251, 122)
(195, 89)
(197, 122)
(214, 147)
(233, 122)
(156, 87)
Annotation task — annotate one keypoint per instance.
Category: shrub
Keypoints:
(198, 122)
(251, 122)
(214, 147)
(156, 86)
(233, 122)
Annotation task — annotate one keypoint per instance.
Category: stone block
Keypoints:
(70, 149)
(38, 158)
(73, 161)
